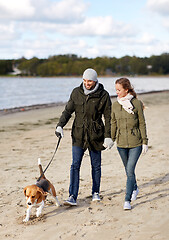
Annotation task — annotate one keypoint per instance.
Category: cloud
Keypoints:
(43, 10)
(147, 39)
(44, 39)
(166, 24)
(65, 10)
(18, 9)
(49, 27)
(162, 9)
(159, 6)
(7, 32)
(87, 28)
(98, 26)
(44, 46)
(158, 49)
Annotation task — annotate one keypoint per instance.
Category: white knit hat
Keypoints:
(90, 74)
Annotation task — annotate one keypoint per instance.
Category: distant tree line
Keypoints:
(5, 67)
(72, 65)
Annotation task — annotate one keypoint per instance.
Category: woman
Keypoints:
(129, 131)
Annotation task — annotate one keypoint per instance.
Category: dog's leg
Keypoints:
(39, 209)
(57, 201)
(28, 213)
(53, 193)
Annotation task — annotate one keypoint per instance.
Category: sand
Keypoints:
(25, 136)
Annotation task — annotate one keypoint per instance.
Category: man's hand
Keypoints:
(59, 132)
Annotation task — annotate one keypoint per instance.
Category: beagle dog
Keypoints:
(37, 193)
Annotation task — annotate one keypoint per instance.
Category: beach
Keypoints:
(28, 135)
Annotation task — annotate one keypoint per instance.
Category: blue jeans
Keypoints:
(130, 157)
(77, 154)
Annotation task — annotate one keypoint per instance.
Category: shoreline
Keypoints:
(6, 111)
(100, 76)
(30, 107)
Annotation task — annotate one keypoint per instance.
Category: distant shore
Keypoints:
(100, 76)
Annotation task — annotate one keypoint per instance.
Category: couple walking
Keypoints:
(124, 123)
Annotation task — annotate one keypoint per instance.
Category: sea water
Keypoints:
(27, 91)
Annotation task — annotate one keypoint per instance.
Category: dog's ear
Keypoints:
(42, 192)
(25, 190)
(41, 195)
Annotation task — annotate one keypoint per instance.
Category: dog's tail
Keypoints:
(40, 168)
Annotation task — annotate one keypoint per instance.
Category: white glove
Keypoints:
(108, 143)
(59, 131)
(144, 148)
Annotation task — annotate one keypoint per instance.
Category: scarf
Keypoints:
(126, 103)
(87, 92)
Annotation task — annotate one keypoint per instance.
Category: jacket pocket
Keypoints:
(122, 137)
(77, 132)
(118, 135)
(79, 107)
(97, 131)
(135, 136)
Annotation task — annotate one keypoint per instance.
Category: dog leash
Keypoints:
(51, 158)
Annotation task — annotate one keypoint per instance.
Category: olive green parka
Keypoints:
(129, 130)
(88, 129)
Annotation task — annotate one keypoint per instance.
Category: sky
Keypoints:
(87, 28)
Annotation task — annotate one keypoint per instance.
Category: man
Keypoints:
(89, 101)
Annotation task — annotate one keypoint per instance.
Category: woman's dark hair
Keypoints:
(126, 85)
